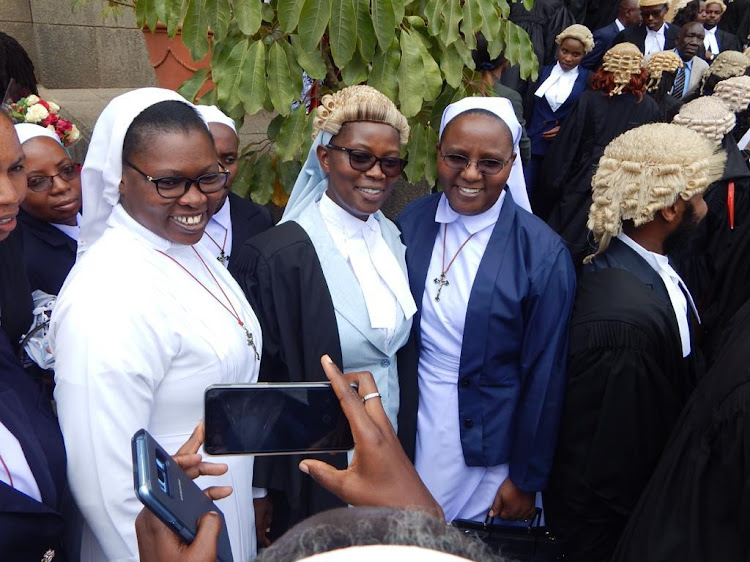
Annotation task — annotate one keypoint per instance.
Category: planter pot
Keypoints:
(171, 61)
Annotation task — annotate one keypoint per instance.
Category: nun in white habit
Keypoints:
(147, 318)
(495, 286)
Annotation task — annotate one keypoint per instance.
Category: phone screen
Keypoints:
(275, 419)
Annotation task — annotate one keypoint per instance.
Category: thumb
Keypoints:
(324, 474)
(497, 505)
(205, 544)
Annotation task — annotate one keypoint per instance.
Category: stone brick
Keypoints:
(24, 34)
(69, 56)
(61, 12)
(15, 10)
(123, 60)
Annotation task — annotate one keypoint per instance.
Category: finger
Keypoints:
(218, 492)
(189, 462)
(325, 475)
(497, 505)
(194, 442)
(204, 545)
(359, 420)
(194, 466)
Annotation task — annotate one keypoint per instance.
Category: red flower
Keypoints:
(64, 125)
(44, 104)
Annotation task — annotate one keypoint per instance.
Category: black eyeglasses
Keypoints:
(174, 187)
(652, 13)
(68, 172)
(485, 166)
(363, 161)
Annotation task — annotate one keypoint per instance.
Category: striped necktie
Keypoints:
(679, 83)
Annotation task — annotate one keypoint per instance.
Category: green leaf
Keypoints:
(288, 172)
(497, 46)
(175, 15)
(195, 29)
(433, 12)
(295, 70)
(160, 6)
(313, 21)
(247, 15)
(410, 76)
(433, 81)
(267, 13)
(472, 22)
(288, 12)
(252, 86)
(384, 68)
(342, 30)
(399, 9)
(219, 14)
(310, 61)
(452, 66)
(365, 30)
(280, 87)
(489, 17)
(272, 132)
(528, 4)
(291, 134)
(355, 72)
(416, 153)
(520, 50)
(307, 134)
(263, 179)
(430, 166)
(243, 179)
(452, 17)
(383, 21)
(464, 52)
(190, 88)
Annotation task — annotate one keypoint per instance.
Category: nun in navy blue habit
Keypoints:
(494, 287)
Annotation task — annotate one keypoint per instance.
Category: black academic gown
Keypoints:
(562, 195)
(49, 254)
(696, 507)
(15, 293)
(627, 383)
(248, 219)
(281, 275)
(636, 34)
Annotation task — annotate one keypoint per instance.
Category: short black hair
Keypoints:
(481, 55)
(15, 65)
(169, 116)
(687, 13)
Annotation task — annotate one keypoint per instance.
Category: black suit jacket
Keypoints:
(726, 41)
(603, 39)
(636, 34)
(248, 219)
(49, 254)
(29, 528)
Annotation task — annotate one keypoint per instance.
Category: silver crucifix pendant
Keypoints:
(251, 342)
(440, 282)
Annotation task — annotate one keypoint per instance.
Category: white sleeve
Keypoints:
(110, 357)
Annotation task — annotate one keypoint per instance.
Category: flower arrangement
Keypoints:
(33, 109)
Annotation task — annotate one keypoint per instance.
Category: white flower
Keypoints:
(32, 99)
(53, 107)
(51, 128)
(36, 113)
(74, 134)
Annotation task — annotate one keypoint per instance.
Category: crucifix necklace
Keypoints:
(222, 257)
(442, 281)
(232, 310)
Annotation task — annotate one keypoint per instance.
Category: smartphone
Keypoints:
(170, 494)
(275, 419)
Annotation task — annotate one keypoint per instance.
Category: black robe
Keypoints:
(281, 276)
(15, 292)
(696, 507)
(627, 383)
(562, 195)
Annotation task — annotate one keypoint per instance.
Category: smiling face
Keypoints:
(12, 177)
(476, 136)
(360, 193)
(570, 53)
(713, 15)
(653, 16)
(62, 201)
(189, 154)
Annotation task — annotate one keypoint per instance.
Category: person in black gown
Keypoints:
(631, 364)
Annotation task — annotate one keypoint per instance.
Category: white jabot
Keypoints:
(463, 492)
(744, 141)
(70, 231)
(212, 114)
(383, 284)
(14, 461)
(557, 87)
(654, 40)
(619, 25)
(219, 228)
(503, 108)
(28, 131)
(709, 41)
(679, 294)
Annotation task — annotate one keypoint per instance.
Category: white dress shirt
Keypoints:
(558, 86)
(619, 25)
(679, 295)
(383, 283)
(137, 341)
(15, 470)
(654, 40)
(70, 231)
(709, 41)
(220, 229)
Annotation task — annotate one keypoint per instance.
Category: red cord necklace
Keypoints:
(232, 310)
(222, 257)
(7, 471)
(442, 281)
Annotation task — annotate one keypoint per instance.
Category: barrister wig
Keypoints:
(727, 64)
(734, 92)
(579, 33)
(708, 116)
(746, 52)
(623, 60)
(638, 176)
(649, 3)
(358, 103)
(658, 63)
(719, 2)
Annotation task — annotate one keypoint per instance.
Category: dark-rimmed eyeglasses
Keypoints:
(174, 187)
(38, 184)
(653, 13)
(363, 161)
(485, 166)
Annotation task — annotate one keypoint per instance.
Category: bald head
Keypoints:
(628, 12)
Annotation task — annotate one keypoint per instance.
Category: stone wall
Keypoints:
(81, 48)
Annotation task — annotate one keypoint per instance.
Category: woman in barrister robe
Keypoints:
(331, 279)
